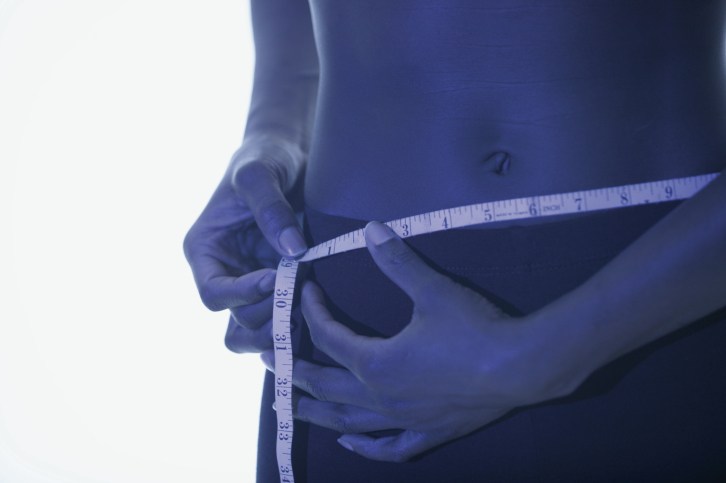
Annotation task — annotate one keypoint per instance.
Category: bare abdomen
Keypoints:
(421, 102)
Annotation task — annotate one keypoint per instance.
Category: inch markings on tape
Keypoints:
(282, 340)
(476, 214)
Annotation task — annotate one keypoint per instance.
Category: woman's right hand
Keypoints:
(248, 224)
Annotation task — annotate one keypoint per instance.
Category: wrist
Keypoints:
(277, 153)
(282, 135)
(270, 143)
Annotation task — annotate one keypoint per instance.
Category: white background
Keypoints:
(117, 119)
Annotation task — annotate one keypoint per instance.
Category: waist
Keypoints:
(387, 172)
(524, 268)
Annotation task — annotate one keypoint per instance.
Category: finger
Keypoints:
(219, 290)
(260, 188)
(242, 340)
(253, 316)
(399, 448)
(330, 384)
(400, 263)
(343, 418)
(339, 342)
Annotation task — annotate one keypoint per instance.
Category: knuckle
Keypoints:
(372, 368)
(210, 299)
(400, 254)
(316, 389)
(242, 342)
(428, 293)
(342, 423)
(391, 408)
(250, 174)
(274, 213)
(232, 343)
(188, 245)
(252, 317)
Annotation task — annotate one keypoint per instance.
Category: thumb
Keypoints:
(400, 263)
(260, 188)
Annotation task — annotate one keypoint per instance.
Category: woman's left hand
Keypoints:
(459, 364)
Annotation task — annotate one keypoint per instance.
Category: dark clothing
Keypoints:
(656, 414)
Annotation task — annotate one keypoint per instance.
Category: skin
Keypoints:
(619, 92)
(251, 219)
(418, 97)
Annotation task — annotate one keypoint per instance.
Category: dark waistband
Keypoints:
(554, 242)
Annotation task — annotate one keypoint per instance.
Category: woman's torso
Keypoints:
(417, 95)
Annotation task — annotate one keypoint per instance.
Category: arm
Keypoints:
(672, 275)
(286, 72)
(249, 221)
(282, 108)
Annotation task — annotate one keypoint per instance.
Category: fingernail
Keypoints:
(378, 233)
(345, 444)
(292, 241)
(274, 406)
(267, 283)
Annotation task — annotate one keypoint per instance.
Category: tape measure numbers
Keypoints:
(281, 314)
(459, 217)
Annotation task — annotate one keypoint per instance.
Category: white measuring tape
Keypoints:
(490, 212)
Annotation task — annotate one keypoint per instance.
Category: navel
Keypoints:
(499, 162)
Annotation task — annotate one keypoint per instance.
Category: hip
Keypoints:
(633, 416)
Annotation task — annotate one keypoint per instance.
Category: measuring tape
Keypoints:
(462, 216)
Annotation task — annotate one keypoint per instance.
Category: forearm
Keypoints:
(286, 73)
(672, 275)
